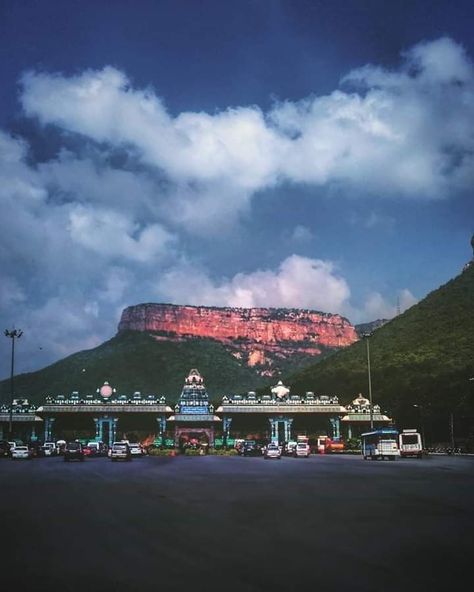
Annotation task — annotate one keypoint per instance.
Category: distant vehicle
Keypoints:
(410, 444)
(120, 451)
(73, 451)
(98, 448)
(250, 448)
(4, 448)
(21, 452)
(380, 444)
(302, 449)
(272, 450)
(327, 445)
(136, 449)
(290, 448)
(60, 446)
(36, 449)
(49, 449)
(88, 451)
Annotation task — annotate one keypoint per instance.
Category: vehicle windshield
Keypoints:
(73, 445)
(21, 448)
(409, 439)
(134, 445)
(302, 445)
(120, 447)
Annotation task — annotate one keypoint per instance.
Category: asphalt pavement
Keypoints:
(210, 523)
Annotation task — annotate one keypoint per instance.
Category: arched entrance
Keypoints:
(193, 437)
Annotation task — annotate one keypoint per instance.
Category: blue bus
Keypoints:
(380, 444)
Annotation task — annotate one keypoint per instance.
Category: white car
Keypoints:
(49, 448)
(302, 449)
(120, 451)
(272, 451)
(21, 452)
(136, 449)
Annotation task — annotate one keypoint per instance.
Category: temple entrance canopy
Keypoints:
(359, 416)
(194, 415)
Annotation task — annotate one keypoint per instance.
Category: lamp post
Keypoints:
(13, 334)
(451, 418)
(422, 421)
(366, 336)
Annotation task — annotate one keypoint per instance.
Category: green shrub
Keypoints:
(223, 452)
(192, 452)
(163, 452)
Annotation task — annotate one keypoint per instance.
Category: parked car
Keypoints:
(302, 449)
(272, 450)
(88, 451)
(120, 451)
(36, 449)
(250, 448)
(49, 449)
(21, 452)
(73, 451)
(290, 448)
(136, 449)
(98, 448)
(4, 448)
(60, 446)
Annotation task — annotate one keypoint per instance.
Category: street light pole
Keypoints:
(13, 334)
(422, 421)
(366, 336)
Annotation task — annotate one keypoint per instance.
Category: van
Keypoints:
(410, 444)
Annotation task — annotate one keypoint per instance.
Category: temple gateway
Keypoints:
(108, 416)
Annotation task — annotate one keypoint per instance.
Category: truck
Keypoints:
(327, 445)
(410, 443)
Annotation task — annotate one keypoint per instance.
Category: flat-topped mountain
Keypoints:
(260, 337)
(235, 349)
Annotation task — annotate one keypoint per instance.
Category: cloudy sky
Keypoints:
(302, 153)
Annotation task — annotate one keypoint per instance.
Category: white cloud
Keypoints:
(299, 282)
(109, 233)
(402, 132)
(80, 237)
(377, 307)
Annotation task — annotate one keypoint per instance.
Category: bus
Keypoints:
(380, 444)
(410, 444)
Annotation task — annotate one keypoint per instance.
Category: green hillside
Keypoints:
(134, 361)
(424, 356)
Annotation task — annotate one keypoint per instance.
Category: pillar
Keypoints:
(112, 429)
(335, 427)
(48, 428)
(288, 422)
(162, 420)
(33, 437)
(98, 426)
(274, 429)
(349, 431)
(226, 423)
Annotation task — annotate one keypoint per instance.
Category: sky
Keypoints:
(301, 154)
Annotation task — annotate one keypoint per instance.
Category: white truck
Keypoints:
(410, 443)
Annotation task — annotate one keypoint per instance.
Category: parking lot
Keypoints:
(233, 523)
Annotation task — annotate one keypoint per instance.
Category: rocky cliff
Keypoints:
(259, 337)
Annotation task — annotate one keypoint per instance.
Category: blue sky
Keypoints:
(307, 154)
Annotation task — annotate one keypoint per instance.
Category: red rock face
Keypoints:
(257, 336)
